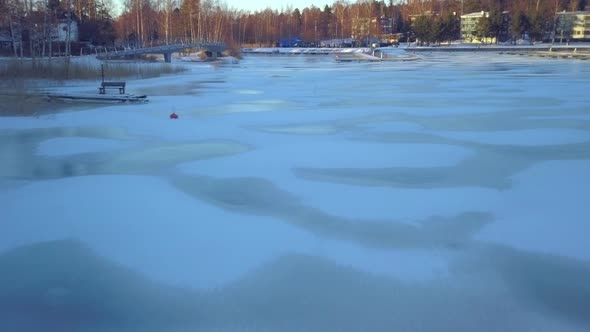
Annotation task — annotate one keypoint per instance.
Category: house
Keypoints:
(59, 31)
(576, 25)
(5, 38)
(35, 29)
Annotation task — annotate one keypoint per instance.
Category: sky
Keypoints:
(258, 5)
(254, 5)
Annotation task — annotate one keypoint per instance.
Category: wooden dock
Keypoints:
(96, 97)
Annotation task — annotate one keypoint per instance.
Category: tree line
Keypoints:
(33, 25)
(150, 22)
(505, 20)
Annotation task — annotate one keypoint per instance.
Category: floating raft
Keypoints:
(98, 97)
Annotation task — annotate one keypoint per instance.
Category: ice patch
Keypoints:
(546, 211)
(303, 129)
(264, 105)
(249, 92)
(74, 145)
(528, 137)
(398, 126)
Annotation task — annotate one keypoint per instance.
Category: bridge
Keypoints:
(166, 50)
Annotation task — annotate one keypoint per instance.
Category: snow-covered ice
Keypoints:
(296, 193)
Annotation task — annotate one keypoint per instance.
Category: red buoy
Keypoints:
(173, 116)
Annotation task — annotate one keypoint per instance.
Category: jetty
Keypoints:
(95, 97)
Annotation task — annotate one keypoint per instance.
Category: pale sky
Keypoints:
(257, 5)
(254, 5)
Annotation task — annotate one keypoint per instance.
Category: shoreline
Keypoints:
(585, 47)
(574, 52)
(501, 48)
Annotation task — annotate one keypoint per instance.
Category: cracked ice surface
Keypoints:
(296, 193)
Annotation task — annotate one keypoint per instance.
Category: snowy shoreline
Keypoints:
(580, 47)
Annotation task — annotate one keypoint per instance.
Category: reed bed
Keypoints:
(59, 69)
(19, 78)
(16, 100)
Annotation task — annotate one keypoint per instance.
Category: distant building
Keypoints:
(368, 31)
(35, 30)
(291, 42)
(59, 32)
(5, 38)
(580, 24)
(384, 25)
(58, 29)
(470, 25)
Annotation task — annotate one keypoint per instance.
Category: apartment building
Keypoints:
(578, 22)
(470, 23)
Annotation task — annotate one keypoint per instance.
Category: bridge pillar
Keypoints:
(168, 57)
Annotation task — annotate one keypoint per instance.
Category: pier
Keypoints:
(96, 97)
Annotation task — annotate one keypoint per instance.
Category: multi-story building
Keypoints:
(579, 24)
(383, 24)
(470, 24)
